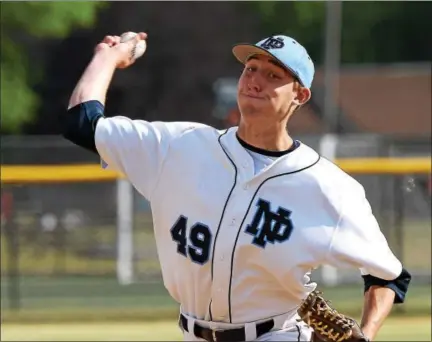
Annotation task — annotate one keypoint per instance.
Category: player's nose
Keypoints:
(254, 86)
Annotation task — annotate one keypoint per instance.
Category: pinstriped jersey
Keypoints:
(237, 245)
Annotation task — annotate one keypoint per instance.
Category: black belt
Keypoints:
(228, 335)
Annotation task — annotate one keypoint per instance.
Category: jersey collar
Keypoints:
(301, 158)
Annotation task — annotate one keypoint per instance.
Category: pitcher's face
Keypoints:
(268, 90)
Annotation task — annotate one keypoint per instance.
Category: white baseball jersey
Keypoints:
(236, 245)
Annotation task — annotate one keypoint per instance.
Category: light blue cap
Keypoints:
(286, 51)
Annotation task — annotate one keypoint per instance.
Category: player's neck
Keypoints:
(274, 138)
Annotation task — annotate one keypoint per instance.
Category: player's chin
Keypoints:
(253, 107)
(250, 110)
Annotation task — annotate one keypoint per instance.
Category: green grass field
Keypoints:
(395, 329)
(63, 299)
(84, 302)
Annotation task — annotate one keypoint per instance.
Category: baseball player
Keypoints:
(242, 216)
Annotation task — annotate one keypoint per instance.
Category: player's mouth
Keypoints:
(253, 96)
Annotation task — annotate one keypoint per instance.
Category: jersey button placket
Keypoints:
(224, 251)
(222, 258)
(222, 266)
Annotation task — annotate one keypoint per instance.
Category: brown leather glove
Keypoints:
(328, 324)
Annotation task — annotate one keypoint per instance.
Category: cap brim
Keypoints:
(244, 51)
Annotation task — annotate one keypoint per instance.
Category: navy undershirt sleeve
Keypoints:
(398, 285)
(79, 123)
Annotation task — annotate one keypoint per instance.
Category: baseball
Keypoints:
(140, 47)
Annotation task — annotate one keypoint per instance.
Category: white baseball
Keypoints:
(140, 47)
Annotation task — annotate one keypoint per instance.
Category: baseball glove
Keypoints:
(328, 324)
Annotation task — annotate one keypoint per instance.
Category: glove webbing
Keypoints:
(315, 307)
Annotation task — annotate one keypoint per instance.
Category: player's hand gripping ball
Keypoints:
(124, 50)
(328, 324)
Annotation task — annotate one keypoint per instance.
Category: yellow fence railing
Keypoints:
(19, 174)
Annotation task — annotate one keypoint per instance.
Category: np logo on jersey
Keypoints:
(273, 43)
(269, 226)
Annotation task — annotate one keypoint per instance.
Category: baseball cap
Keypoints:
(286, 50)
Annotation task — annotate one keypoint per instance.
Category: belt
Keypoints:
(225, 335)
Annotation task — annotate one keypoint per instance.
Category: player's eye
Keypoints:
(251, 68)
(274, 76)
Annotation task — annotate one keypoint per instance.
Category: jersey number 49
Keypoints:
(196, 244)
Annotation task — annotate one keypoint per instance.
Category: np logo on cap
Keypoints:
(286, 50)
(273, 43)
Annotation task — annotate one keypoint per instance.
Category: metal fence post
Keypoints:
(12, 238)
(125, 246)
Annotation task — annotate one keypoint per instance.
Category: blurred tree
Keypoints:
(20, 22)
(372, 32)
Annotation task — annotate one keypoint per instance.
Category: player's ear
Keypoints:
(303, 95)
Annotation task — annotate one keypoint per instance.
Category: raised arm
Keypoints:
(136, 148)
(87, 102)
(109, 55)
